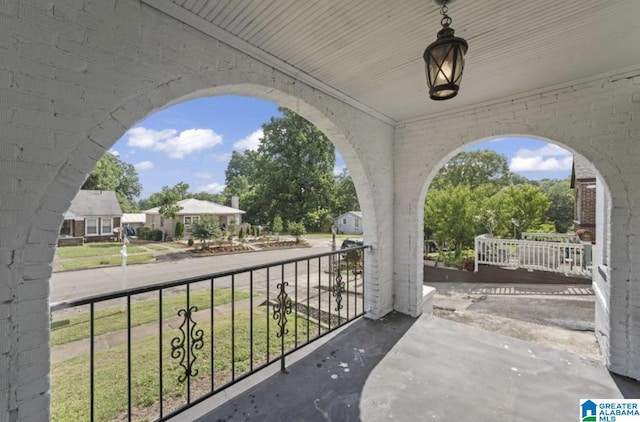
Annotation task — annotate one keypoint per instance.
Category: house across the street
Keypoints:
(192, 210)
(92, 217)
(349, 223)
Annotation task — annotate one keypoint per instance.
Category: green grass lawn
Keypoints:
(70, 379)
(156, 247)
(83, 263)
(175, 245)
(95, 249)
(76, 327)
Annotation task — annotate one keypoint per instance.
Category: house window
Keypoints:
(189, 220)
(344, 221)
(107, 226)
(357, 223)
(65, 230)
(91, 226)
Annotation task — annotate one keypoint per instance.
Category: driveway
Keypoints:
(557, 316)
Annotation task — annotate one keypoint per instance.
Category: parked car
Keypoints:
(350, 243)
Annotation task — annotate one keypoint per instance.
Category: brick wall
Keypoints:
(74, 76)
(587, 206)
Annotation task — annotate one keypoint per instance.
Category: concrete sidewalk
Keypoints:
(405, 369)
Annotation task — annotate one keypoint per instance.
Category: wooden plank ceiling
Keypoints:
(371, 50)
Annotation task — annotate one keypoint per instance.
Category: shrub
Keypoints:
(296, 230)
(143, 233)
(190, 241)
(156, 235)
(179, 230)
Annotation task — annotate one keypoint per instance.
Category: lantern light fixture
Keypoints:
(444, 59)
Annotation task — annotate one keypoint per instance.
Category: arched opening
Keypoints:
(534, 274)
(341, 269)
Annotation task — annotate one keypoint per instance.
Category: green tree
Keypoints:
(169, 206)
(346, 197)
(277, 225)
(450, 212)
(179, 232)
(113, 174)
(562, 198)
(473, 169)
(296, 230)
(294, 169)
(526, 204)
(205, 229)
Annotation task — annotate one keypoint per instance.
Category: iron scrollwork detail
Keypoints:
(196, 342)
(337, 290)
(282, 308)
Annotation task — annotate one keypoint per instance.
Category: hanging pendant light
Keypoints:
(444, 60)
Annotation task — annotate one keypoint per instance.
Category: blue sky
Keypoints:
(192, 142)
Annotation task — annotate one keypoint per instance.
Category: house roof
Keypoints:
(197, 206)
(94, 203)
(582, 169)
(356, 213)
(133, 218)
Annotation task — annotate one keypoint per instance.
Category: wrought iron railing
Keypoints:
(184, 341)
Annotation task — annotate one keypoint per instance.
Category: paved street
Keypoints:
(76, 284)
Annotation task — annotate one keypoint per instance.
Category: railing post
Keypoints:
(476, 249)
(281, 309)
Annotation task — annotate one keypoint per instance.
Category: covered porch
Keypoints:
(380, 370)
(77, 74)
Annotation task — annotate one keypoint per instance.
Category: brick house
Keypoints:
(583, 181)
(92, 217)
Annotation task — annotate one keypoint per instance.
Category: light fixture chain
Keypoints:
(446, 20)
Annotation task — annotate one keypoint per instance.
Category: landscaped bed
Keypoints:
(219, 249)
(281, 244)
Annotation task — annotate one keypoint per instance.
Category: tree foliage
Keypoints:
(169, 206)
(277, 227)
(112, 174)
(450, 213)
(294, 171)
(562, 197)
(345, 192)
(296, 230)
(205, 229)
(473, 169)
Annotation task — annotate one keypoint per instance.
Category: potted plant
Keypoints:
(585, 235)
(469, 264)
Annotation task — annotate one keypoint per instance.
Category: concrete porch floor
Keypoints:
(405, 369)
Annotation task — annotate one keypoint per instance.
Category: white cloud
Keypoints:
(211, 188)
(114, 153)
(337, 169)
(221, 157)
(549, 157)
(249, 142)
(547, 150)
(203, 175)
(143, 165)
(174, 144)
(540, 164)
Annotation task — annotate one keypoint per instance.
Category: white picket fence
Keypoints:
(559, 256)
(550, 237)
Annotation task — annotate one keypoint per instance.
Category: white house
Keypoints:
(192, 210)
(349, 222)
